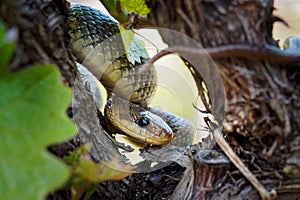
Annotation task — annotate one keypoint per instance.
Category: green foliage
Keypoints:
(86, 174)
(6, 49)
(32, 113)
(135, 49)
(139, 6)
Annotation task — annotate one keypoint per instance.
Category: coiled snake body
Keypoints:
(97, 44)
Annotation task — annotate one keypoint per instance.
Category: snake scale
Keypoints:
(95, 41)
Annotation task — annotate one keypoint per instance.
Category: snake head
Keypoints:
(137, 122)
(151, 128)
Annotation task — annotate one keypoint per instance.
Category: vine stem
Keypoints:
(267, 53)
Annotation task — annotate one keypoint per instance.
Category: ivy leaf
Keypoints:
(135, 49)
(139, 6)
(32, 113)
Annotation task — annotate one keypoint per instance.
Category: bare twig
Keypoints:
(263, 192)
(267, 53)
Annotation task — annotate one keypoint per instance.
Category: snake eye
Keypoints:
(143, 122)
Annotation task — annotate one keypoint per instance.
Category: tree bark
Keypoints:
(262, 123)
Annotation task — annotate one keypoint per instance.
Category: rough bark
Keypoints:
(40, 35)
(262, 123)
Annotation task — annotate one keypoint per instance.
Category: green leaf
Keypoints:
(134, 47)
(6, 49)
(32, 113)
(139, 6)
(121, 10)
(86, 174)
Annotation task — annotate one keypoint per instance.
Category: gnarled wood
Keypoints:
(262, 119)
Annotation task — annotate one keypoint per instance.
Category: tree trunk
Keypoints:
(262, 121)
(262, 113)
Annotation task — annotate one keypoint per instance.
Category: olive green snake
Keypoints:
(95, 41)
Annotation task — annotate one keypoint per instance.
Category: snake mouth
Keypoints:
(153, 136)
(162, 138)
(157, 137)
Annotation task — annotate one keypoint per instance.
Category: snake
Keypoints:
(95, 41)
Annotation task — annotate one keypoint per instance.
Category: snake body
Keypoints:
(95, 41)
